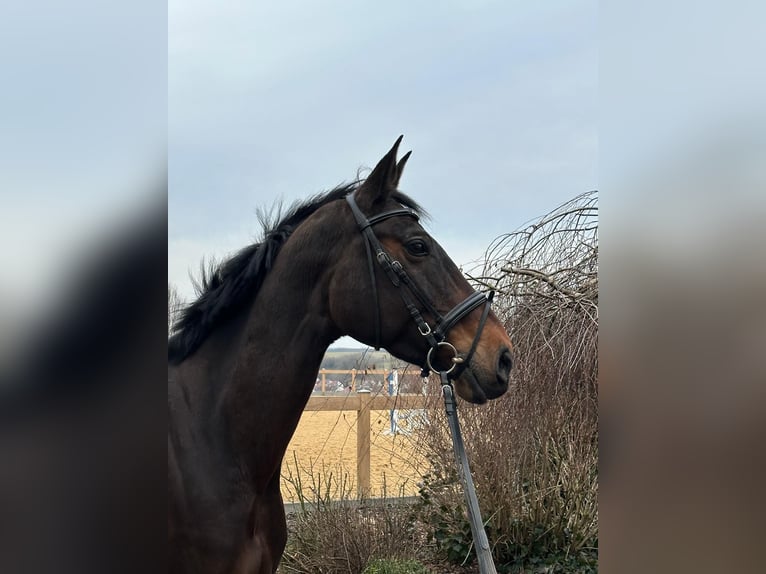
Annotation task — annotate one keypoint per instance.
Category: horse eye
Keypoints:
(417, 247)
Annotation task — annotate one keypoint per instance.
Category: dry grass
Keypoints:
(336, 534)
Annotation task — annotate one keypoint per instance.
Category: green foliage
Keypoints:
(450, 529)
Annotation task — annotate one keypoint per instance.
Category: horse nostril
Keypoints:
(504, 365)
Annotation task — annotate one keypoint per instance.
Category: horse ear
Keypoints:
(400, 167)
(382, 180)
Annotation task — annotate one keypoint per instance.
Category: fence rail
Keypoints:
(362, 402)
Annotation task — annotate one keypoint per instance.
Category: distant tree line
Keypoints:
(359, 360)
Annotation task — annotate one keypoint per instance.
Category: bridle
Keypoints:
(410, 291)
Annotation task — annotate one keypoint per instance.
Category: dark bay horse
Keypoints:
(243, 358)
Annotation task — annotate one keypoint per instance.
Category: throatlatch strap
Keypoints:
(374, 284)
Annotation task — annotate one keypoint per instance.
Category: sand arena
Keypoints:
(324, 446)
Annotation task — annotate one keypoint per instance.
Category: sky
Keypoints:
(278, 101)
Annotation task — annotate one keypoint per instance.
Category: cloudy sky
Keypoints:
(269, 101)
(83, 120)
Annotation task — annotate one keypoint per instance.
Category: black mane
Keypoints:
(225, 288)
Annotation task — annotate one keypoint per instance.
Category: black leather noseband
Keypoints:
(410, 291)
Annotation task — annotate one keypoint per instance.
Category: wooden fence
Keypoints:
(362, 402)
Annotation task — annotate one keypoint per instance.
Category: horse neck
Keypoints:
(277, 359)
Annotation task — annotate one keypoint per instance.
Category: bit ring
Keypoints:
(455, 359)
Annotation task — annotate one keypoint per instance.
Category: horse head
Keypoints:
(395, 287)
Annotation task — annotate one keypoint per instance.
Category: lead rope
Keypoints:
(483, 551)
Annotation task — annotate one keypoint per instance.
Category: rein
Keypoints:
(436, 338)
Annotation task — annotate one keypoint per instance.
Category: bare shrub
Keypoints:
(534, 451)
(334, 533)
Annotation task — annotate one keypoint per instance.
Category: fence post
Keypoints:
(324, 380)
(363, 444)
(353, 380)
